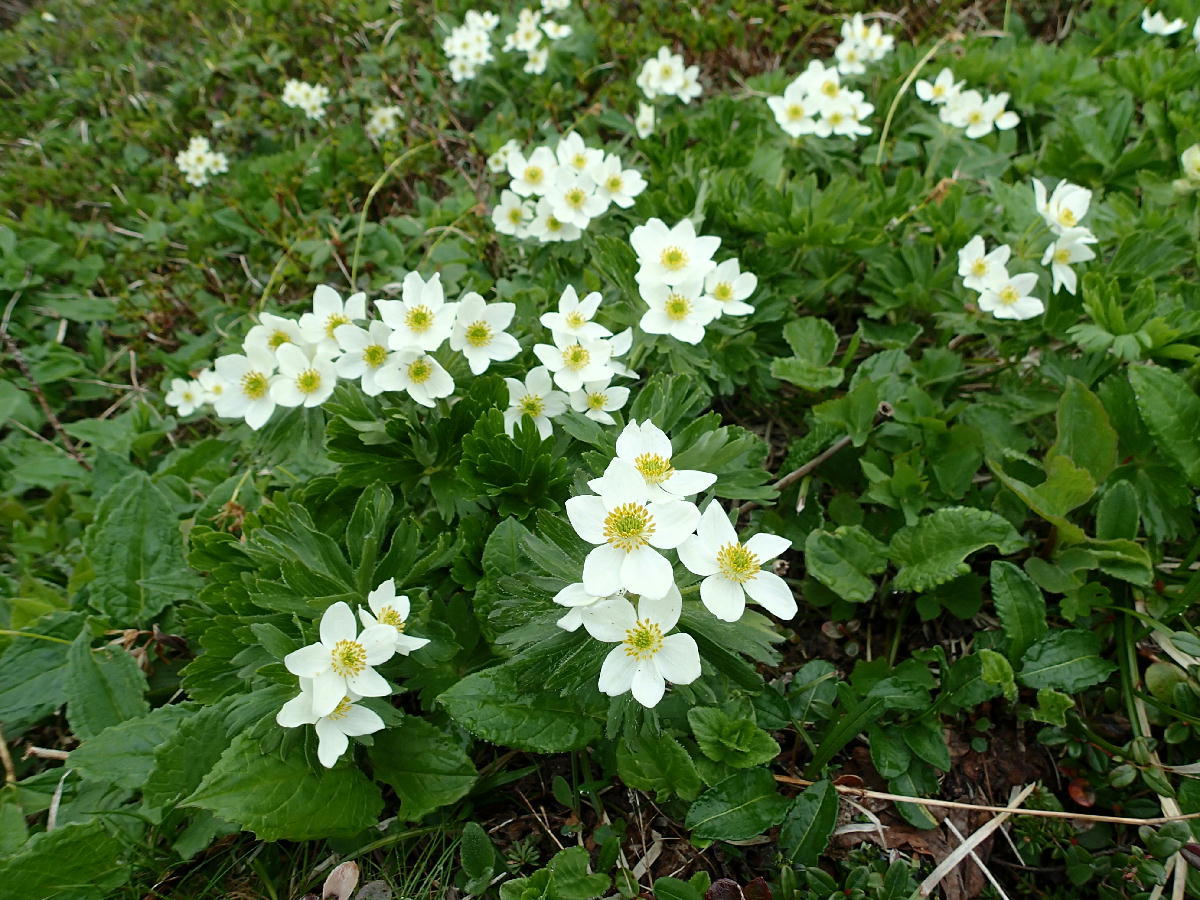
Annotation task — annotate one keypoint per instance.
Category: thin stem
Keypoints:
(362, 218)
(905, 85)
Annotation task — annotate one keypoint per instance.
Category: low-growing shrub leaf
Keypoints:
(1020, 607)
(658, 763)
(77, 861)
(426, 767)
(1066, 661)
(1171, 411)
(809, 824)
(737, 742)
(843, 560)
(933, 551)
(743, 805)
(123, 754)
(1085, 434)
(104, 687)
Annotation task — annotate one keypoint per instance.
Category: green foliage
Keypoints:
(425, 767)
(934, 550)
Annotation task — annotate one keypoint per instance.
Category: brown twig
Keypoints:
(792, 477)
(10, 774)
(46, 753)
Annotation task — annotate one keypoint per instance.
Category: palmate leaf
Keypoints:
(934, 550)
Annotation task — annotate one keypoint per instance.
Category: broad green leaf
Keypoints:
(292, 798)
(934, 550)
(104, 687)
(1020, 607)
(806, 375)
(564, 878)
(185, 757)
(477, 853)
(809, 824)
(918, 781)
(695, 888)
(843, 560)
(77, 861)
(964, 685)
(123, 754)
(1066, 486)
(492, 705)
(1124, 559)
(425, 767)
(743, 805)
(737, 742)
(658, 763)
(1085, 434)
(924, 738)
(1066, 661)
(890, 755)
(854, 413)
(136, 551)
(33, 671)
(1052, 707)
(1118, 512)
(1171, 411)
(813, 342)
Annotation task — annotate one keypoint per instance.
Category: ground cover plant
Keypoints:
(561, 451)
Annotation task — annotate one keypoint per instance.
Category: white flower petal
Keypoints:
(337, 624)
(647, 685)
(771, 592)
(369, 683)
(616, 673)
(767, 546)
(723, 598)
(602, 570)
(328, 690)
(331, 743)
(674, 522)
(644, 571)
(380, 643)
(679, 659)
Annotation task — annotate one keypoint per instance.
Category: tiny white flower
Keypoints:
(1189, 160)
(556, 31)
(644, 123)
(535, 399)
(328, 313)
(383, 121)
(732, 570)
(513, 214)
(969, 111)
(421, 319)
(302, 380)
(629, 531)
(573, 321)
(212, 385)
(573, 198)
(689, 85)
(1157, 23)
(418, 374)
(536, 63)
(1065, 207)
(620, 344)
(596, 399)
(185, 395)
(574, 155)
(547, 227)
(575, 360)
(341, 663)
(941, 90)
(729, 286)
(646, 449)
(647, 656)
(271, 333)
(1071, 247)
(388, 609)
(479, 333)
(978, 268)
(850, 58)
(334, 728)
(249, 394)
(364, 352)
(533, 176)
(681, 310)
(498, 161)
(615, 184)
(796, 112)
(1010, 299)
(672, 255)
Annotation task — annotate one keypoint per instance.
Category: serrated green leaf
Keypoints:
(1171, 411)
(123, 754)
(1065, 660)
(737, 742)
(843, 560)
(934, 550)
(104, 687)
(1085, 434)
(425, 766)
(1118, 512)
(809, 824)
(288, 798)
(77, 861)
(1065, 488)
(743, 805)
(1052, 707)
(33, 672)
(1020, 607)
(185, 757)
(854, 413)
(658, 763)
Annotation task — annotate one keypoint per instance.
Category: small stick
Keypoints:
(947, 865)
(792, 477)
(10, 774)
(46, 753)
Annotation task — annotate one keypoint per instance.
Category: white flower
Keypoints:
(383, 121)
(537, 61)
(498, 161)
(249, 395)
(620, 344)
(730, 286)
(421, 319)
(1071, 247)
(850, 55)
(1189, 160)
(1065, 208)
(647, 656)
(573, 198)
(978, 268)
(596, 399)
(388, 609)
(547, 227)
(672, 255)
(585, 609)
(479, 332)
(271, 333)
(732, 570)
(844, 116)
(341, 662)
(536, 399)
(1157, 23)
(629, 531)
(571, 153)
(532, 176)
(573, 360)
(555, 5)
(364, 352)
(614, 184)
(969, 110)
(185, 395)
(689, 85)
(556, 31)
(647, 450)
(1010, 299)
(311, 98)
(1003, 119)
(644, 123)
(334, 728)
(681, 310)
(941, 90)
(328, 313)
(513, 214)
(661, 74)
(795, 112)
(417, 373)
(212, 385)
(574, 318)
(302, 380)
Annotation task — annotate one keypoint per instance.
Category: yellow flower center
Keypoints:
(333, 322)
(576, 357)
(654, 468)
(254, 385)
(375, 355)
(629, 526)
(479, 334)
(534, 174)
(665, 72)
(938, 90)
(1062, 255)
(673, 258)
(975, 117)
(348, 657)
(278, 339)
(1067, 217)
(342, 709)
(389, 616)
(830, 89)
(1008, 295)
(419, 319)
(836, 118)
(579, 161)
(614, 184)
(308, 381)
(677, 307)
(189, 397)
(516, 215)
(575, 319)
(419, 371)
(979, 268)
(795, 112)
(597, 401)
(723, 292)
(217, 389)
(552, 224)
(531, 405)
(575, 197)
(737, 563)
(643, 640)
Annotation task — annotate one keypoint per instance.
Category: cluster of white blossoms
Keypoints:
(684, 288)
(199, 161)
(641, 507)
(861, 44)
(817, 103)
(666, 75)
(311, 98)
(339, 670)
(970, 110)
(1062, 211)
(469, 45)
(384, 120)
(285, 362)
(582, 362)
(555, 193)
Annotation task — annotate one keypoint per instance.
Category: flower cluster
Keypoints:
(817, 103)
(861, 43)
(582, 361)
(339, 670)
(308, 97)
(1062, 211)
(555, 193)
(666, 75)
(384, 120)
(684, 288)
(199, 161)
(639, 508)
(970, 110)
(469, 45)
